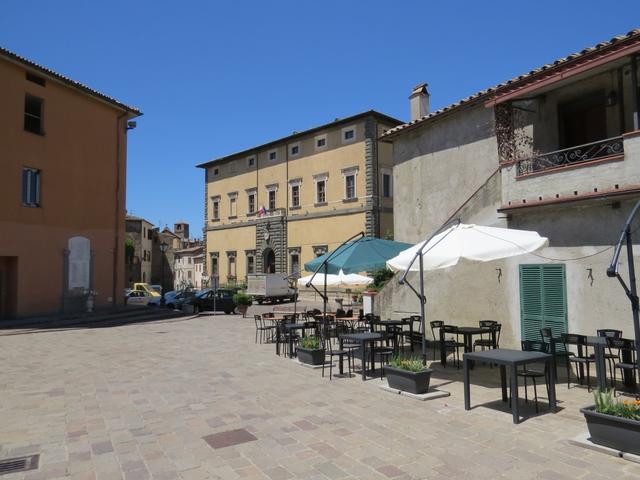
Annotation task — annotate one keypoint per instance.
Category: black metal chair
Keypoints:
(331, 353)
(489, 343)
(580, 358)
(626, 357)
(262, 329)
(609, 356)
(453, 343)
(533, 373)
(416, 329)
(546, 335)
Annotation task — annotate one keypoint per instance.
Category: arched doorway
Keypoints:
(269, 261)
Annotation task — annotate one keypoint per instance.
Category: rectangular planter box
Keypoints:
(614, 432)
(412, 382)
(311, 357)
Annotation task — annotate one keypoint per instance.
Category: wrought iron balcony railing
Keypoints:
(571, 156)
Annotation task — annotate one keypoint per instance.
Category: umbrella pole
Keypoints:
(422, 319)
(631, 290)
(324, 313)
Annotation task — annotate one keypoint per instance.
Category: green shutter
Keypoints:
(543, 301)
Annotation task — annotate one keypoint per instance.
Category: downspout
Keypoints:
(116, 244)
(283, 261)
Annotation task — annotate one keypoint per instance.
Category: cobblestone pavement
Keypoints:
(135, 402)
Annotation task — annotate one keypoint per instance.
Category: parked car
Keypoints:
(220, 300)
(137, 297)
(168, 296)
(145, 287)
(156, 288)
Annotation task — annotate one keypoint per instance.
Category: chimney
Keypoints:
(419, 101)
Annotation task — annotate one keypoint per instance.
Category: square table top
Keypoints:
(364, 336)
(505, 356)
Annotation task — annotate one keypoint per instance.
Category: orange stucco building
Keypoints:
(63, 156)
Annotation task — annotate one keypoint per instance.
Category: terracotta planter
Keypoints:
(618, 433)
(311, 356)
(412, 382)
(243, 309)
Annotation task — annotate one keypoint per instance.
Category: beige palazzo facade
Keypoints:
(273, 207)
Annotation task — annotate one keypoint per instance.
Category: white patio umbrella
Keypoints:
(456, 242)
(339, 280)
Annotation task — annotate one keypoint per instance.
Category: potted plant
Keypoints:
(310, 351)
(408, 375)
(613, 423)
(243, 302)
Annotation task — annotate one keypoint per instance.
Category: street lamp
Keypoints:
(163, 249)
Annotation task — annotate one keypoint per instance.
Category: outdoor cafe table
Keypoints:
(467, 333)
(599, 344)
(363, 339)
(392, 323)
(512, 359)
(289, 327)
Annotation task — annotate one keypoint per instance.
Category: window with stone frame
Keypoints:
(272, 199)
(295, 195)
(321, 191)
(251, 262)
(215, 208)
(214, 265)
(251, 202)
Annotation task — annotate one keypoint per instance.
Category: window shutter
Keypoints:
(25, 186)
(555, 301)
(543, 301)
(530, 301)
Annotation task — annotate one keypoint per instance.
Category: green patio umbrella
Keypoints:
(363, 254)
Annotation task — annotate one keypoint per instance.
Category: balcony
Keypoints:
(600, 150)
(603, 169)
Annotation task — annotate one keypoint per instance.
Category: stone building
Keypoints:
(188, 268)
(273, 207)
(556, 150)
(63, 149)
(138, 261)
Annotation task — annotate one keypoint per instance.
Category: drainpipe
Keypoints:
(116, 243)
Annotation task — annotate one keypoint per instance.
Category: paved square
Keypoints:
(136, 401)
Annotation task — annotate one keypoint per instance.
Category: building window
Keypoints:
(233, 211)
(251, 262)
(320, 142)
(215, 208)
(215, 172)
(348, 134)
(350, 186)
(350, 176)
(33, 114)
(295, 195)
(272, 199)
(295, 149)
(251, 201)
(273, 155)
(387, 185)
(321, 194)
(214, 265)
(294, 262)
(231, 272)
(31, 187)
(251, 161)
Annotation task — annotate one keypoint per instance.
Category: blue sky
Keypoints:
(217, 77)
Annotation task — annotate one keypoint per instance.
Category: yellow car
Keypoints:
(145, 287)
